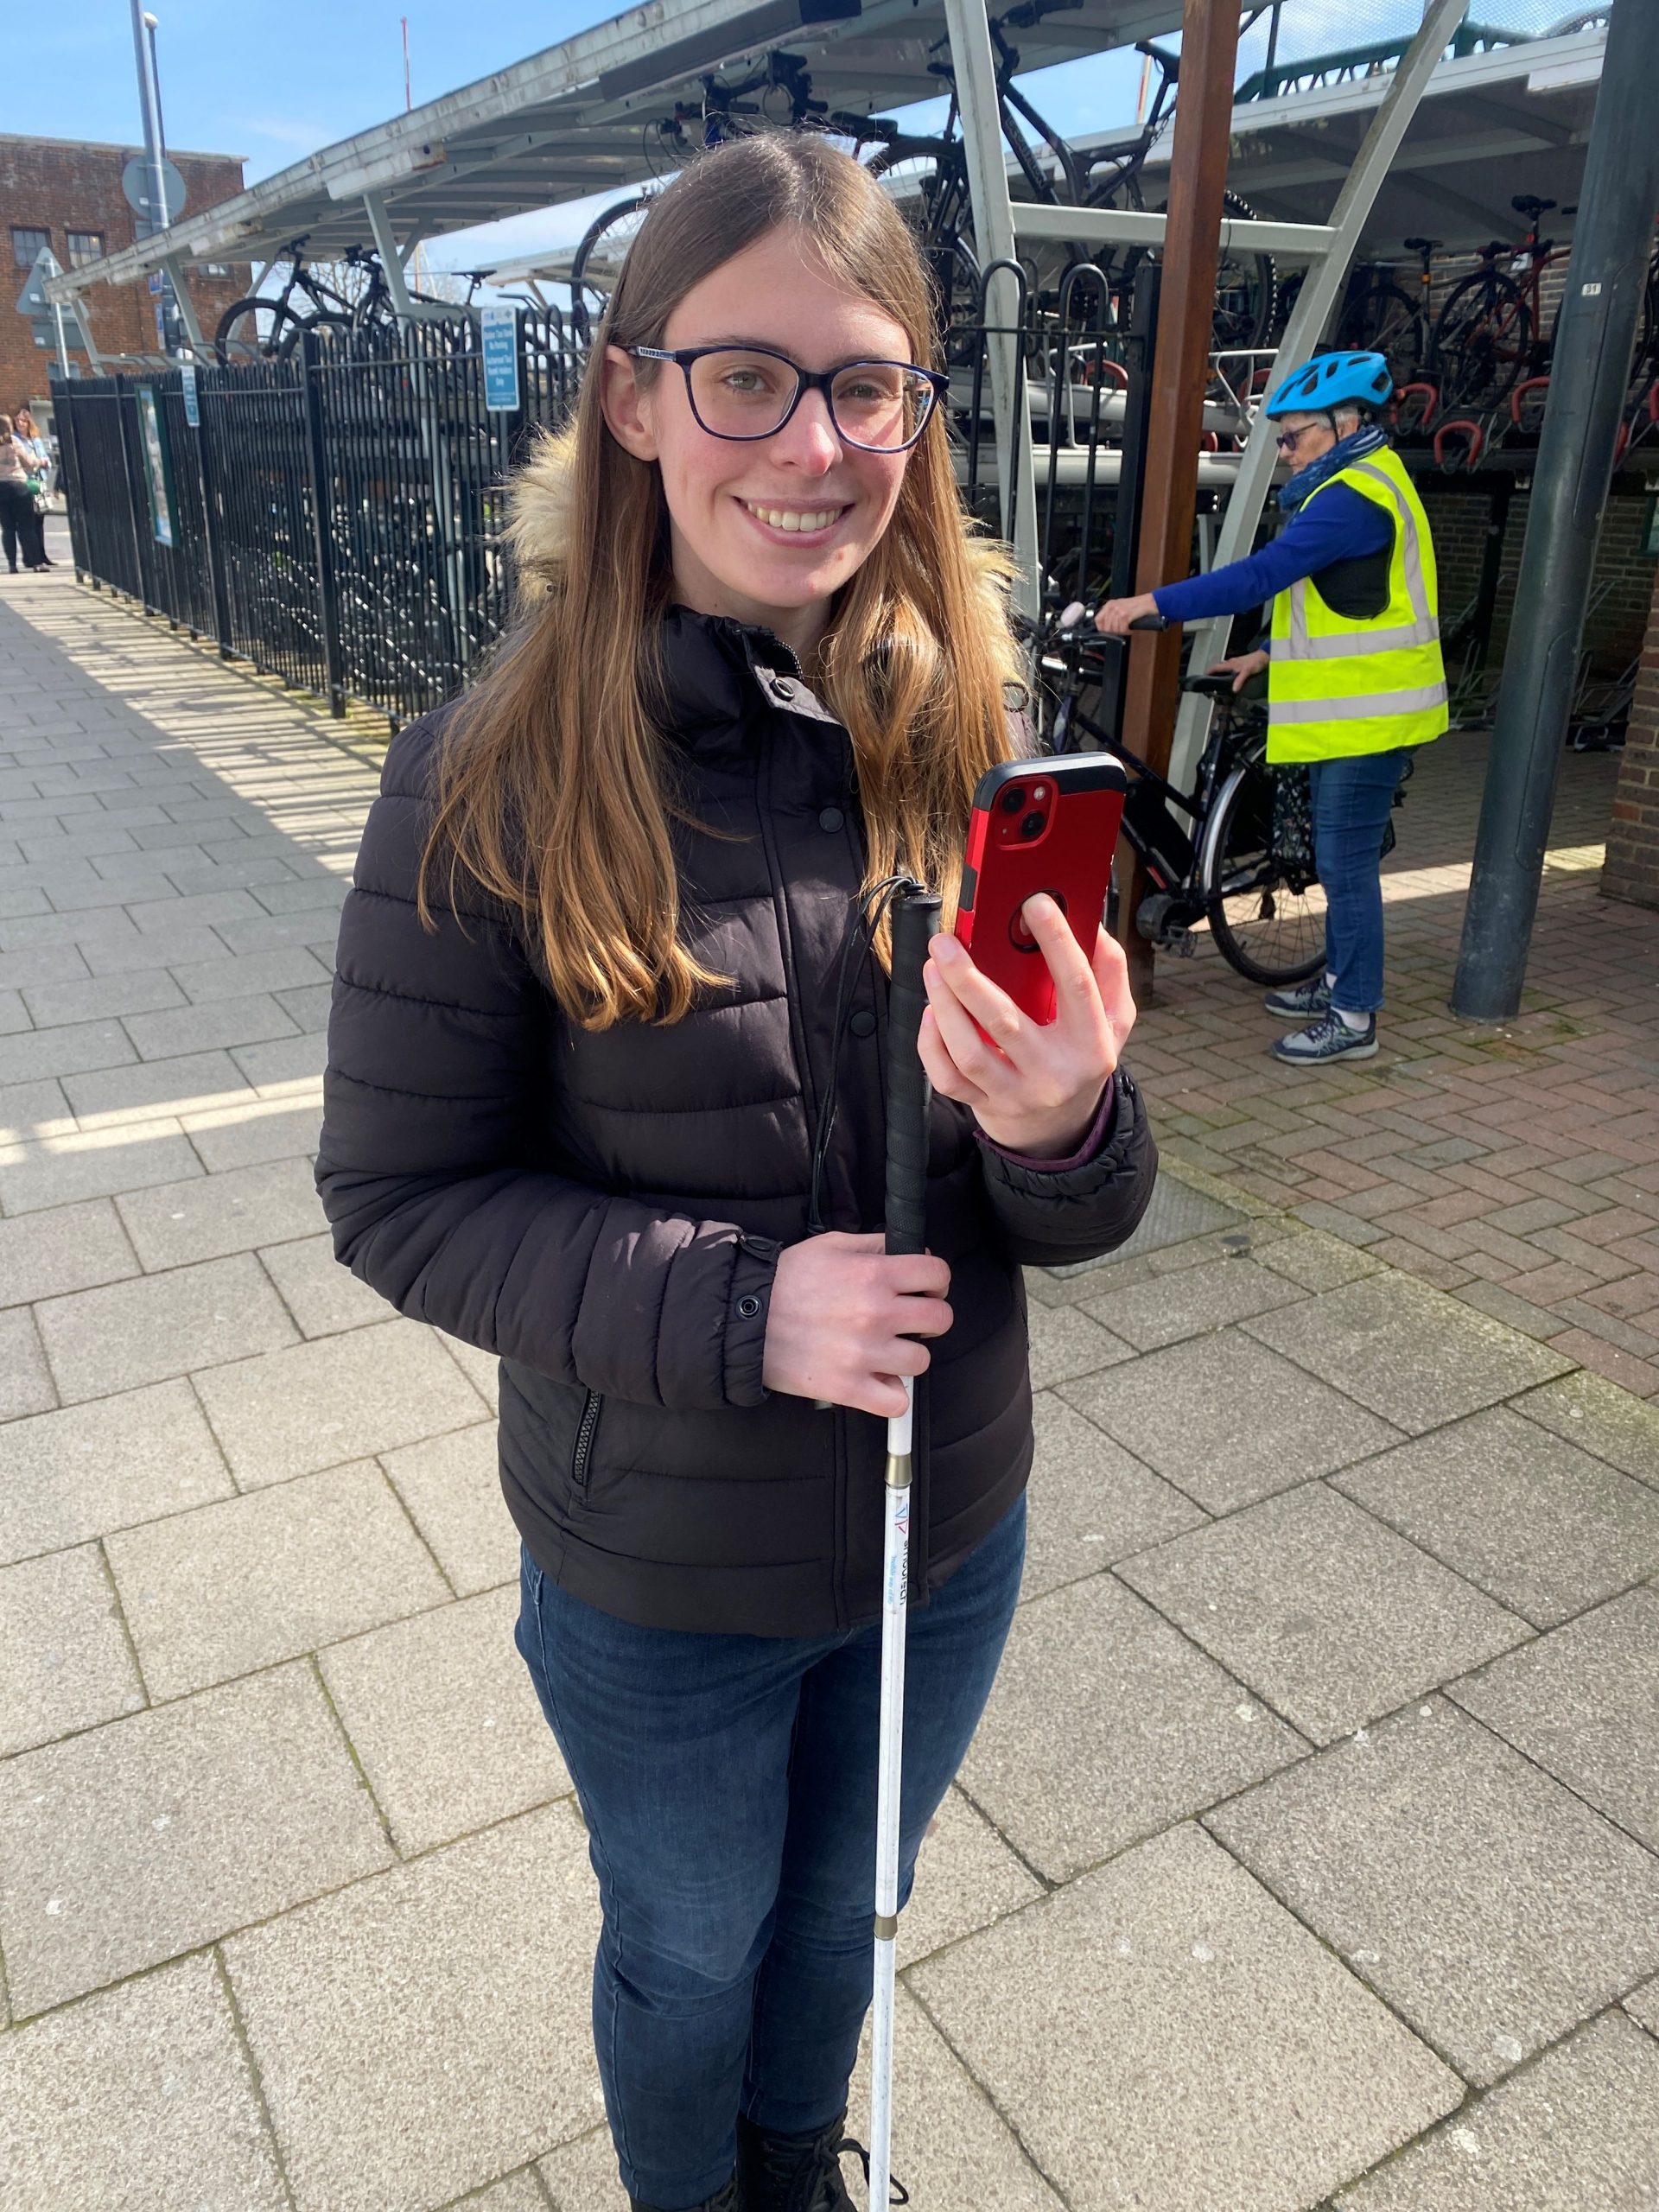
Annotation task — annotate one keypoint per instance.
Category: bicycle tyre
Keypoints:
(324, 319)
(625, 215)
(1381, 319)
(1481, 341)
(285, 326)
(1237, 848)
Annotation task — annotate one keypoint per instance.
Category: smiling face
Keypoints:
(766, 530)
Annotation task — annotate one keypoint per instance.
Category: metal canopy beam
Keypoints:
(1132, 226)
(1315, 304)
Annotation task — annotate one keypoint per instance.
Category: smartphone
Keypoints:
(1038, 825)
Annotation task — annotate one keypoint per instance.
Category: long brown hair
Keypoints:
(554, 788)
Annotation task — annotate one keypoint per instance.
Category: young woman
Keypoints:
(605, 1096)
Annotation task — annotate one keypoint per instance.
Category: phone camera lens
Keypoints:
(1014, 798)
(1033, 824)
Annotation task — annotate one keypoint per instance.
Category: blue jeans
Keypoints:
(1352, 797)
(729, 1785)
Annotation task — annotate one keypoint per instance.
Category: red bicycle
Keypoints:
(1491, 331)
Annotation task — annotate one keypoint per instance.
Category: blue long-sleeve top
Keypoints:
(1341, 524)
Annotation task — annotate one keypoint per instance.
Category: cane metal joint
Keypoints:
(898, 1471)
(887, 1927)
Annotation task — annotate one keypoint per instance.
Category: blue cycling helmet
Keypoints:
(1333, 380)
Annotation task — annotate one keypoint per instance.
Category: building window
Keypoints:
(26, 245)
(85, 246)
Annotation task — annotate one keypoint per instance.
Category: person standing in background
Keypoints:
(17, 501)
(39, 460)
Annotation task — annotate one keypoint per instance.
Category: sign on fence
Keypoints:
(158, 466)
(499, 327)
(192, 399)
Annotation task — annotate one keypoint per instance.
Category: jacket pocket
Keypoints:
(582, 1451)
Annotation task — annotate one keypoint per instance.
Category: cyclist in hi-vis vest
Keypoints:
(1355, 678)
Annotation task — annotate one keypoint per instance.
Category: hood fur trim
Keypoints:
(539, 517)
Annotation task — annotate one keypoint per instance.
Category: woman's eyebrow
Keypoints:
(770, 346)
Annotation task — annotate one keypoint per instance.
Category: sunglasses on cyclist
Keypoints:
(743, 392)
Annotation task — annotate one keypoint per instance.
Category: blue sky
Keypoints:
(275, 84)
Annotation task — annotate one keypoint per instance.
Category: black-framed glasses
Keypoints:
(748, 392)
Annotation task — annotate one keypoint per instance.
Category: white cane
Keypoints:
(915, 918)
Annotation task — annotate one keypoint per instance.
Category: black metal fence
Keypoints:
(334, 518)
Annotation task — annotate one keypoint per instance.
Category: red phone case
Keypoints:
(1038, 825)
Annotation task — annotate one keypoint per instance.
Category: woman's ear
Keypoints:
(628, 413)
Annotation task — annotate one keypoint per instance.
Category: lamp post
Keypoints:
(150, 103)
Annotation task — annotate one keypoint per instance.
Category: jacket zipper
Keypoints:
(585, 1439)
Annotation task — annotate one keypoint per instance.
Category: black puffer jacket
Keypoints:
(606, 1211)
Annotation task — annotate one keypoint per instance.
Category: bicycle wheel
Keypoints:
(1264, 923)
(1247, 284)
(594, 268)
(1380, 318)
(256, 330)
(1482, 339)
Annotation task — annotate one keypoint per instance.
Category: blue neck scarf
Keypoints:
(1354, 447)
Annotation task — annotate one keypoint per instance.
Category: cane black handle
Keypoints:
(1149, 622)
(915, 919)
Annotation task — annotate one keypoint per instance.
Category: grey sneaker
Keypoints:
(1302, 1000)
(1329, 1040)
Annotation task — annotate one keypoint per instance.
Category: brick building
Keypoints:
(61, 193)
(1633, 866)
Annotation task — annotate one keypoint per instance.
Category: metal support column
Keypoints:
(975, 67)
(186, 305)
(321, 527)
(1594, 336)
(1315, 304)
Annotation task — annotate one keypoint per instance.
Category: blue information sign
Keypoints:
(500, 324)
(187, 385)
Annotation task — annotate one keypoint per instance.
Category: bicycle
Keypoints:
(1241, 859)
(1489, 333)
(268, 326)
(1379, 315)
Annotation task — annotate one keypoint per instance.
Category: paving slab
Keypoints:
(452, 1486)
(258, 1579)
(92, 1468)
(1215, 2054)
(216, 1024)
(482, 1369)
(57, 1170)
(213, 1216)
(966, 1877)
(130, 1333)
(249, 1128)
(26, 1385)
(34, 1109)
(1106, 1725)
(126, 1846)
(1584, 1702)
(137, 2097)
(1537, 1524)
(1579, 2131)
(323, 1297)
(192, 1084)
(487, 1949)
(1329, 1617)
(64, 1662)
(292, 1412)
(65, 1053)
(286, 1061)
(1200, 1413)
(520, 2192)
(444, 1721)
(70, 1248)
(1599, 1417)
(1065, 1343)
(1190, 1304)
(1317, 1262)
(1176, 1214)
(1487, 1904)
(1412, 1355)
(288, 968)
(1089, 1502)
(1642, 2004)
(582, 2177)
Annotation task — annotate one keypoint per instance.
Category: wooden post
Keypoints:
(1197, 181)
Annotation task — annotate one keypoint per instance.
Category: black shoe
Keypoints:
(723, 2200)
(799, 2173)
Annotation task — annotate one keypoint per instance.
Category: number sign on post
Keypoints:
(499, 326)
(192, 402)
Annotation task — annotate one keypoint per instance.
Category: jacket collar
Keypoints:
(717, 672)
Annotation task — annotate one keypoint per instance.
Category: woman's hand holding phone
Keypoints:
(1033, 1088)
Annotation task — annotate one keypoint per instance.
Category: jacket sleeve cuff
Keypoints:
(1099, 1131)
(754, 1266)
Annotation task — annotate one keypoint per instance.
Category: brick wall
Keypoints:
(1633, 866)
(58, 185)
(1621, 587)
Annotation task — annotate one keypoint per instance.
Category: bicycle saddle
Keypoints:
(1422, 246)
(1524, 204)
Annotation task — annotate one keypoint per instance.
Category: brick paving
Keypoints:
(1308, 1854)
(1517, 1167)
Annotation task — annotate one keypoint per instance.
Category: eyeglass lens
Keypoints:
(880, 405)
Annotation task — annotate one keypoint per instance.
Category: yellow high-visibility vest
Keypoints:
(1339, 684)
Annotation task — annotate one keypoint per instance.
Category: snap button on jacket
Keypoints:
(606, 1210)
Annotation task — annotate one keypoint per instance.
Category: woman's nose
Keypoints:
(810, 440)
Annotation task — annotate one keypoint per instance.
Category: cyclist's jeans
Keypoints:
(729, 1785)
(1351, 800)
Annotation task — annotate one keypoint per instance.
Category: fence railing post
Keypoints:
(206, 463)
(126, 406)
(327, 595)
